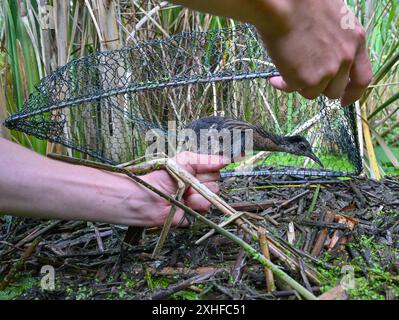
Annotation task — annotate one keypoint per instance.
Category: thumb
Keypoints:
(280, 84)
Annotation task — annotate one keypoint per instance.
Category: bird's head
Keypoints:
(301, 147)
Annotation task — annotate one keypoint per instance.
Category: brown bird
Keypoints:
(262, 140)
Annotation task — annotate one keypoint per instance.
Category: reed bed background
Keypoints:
(37, 36)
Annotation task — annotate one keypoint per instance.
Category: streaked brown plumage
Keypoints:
(262, 140)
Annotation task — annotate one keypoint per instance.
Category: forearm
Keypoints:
(35, 186)
(269, 15)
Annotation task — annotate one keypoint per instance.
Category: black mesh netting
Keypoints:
(103, 104)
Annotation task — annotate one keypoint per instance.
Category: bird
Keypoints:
(262, 139)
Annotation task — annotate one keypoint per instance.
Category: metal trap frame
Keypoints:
(101, 106)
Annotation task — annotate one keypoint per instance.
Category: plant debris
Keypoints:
(326, 234)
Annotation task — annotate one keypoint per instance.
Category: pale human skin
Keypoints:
(307, 43)
(313, 54)
(34, 186)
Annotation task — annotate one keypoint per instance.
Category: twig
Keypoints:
(164, 293)
(299, 196)
(255, 206)
(322, 236)
(314, 202)
(169, 271)
(98, 237)
(303, 275)
(291, 233)
(264, 247)
(239, 266)
(254, 216)
(359, 195)
(223, 224)
(250, 250)
(37, 233)
(82, 239)
(225, 291)
(288, 211)
(321, 224)
(301, 206)
(169, 219)
(288, 293)
(19, 265)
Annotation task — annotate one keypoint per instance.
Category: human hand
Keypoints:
(38, 187)
(315, 54)
(204, 167)
(307, 41)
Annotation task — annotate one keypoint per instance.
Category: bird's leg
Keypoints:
(169, 219)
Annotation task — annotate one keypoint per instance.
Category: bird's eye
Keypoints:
(302, 147)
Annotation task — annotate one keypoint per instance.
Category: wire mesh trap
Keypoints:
(101, 106)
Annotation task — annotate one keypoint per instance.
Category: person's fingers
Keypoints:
(180, 220)
(360, 77)
(208, 177)
(280, 84)
(315, 91)
(197, 202)
(336, 87)
(309, 88)
(213, 186)
(201, 163)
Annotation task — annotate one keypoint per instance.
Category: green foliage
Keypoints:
(17, 288)
(186, 295)
(83, 292)
(284, 159)
(385, 163)
(129, 282)
(161, 282)
(21, 57)
(370, 287)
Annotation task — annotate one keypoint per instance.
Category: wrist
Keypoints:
(269, 16)
(117, 199)
(73, 192)
(272, 17)
(38, 187)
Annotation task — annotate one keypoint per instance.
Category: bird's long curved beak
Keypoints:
(315, 159)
